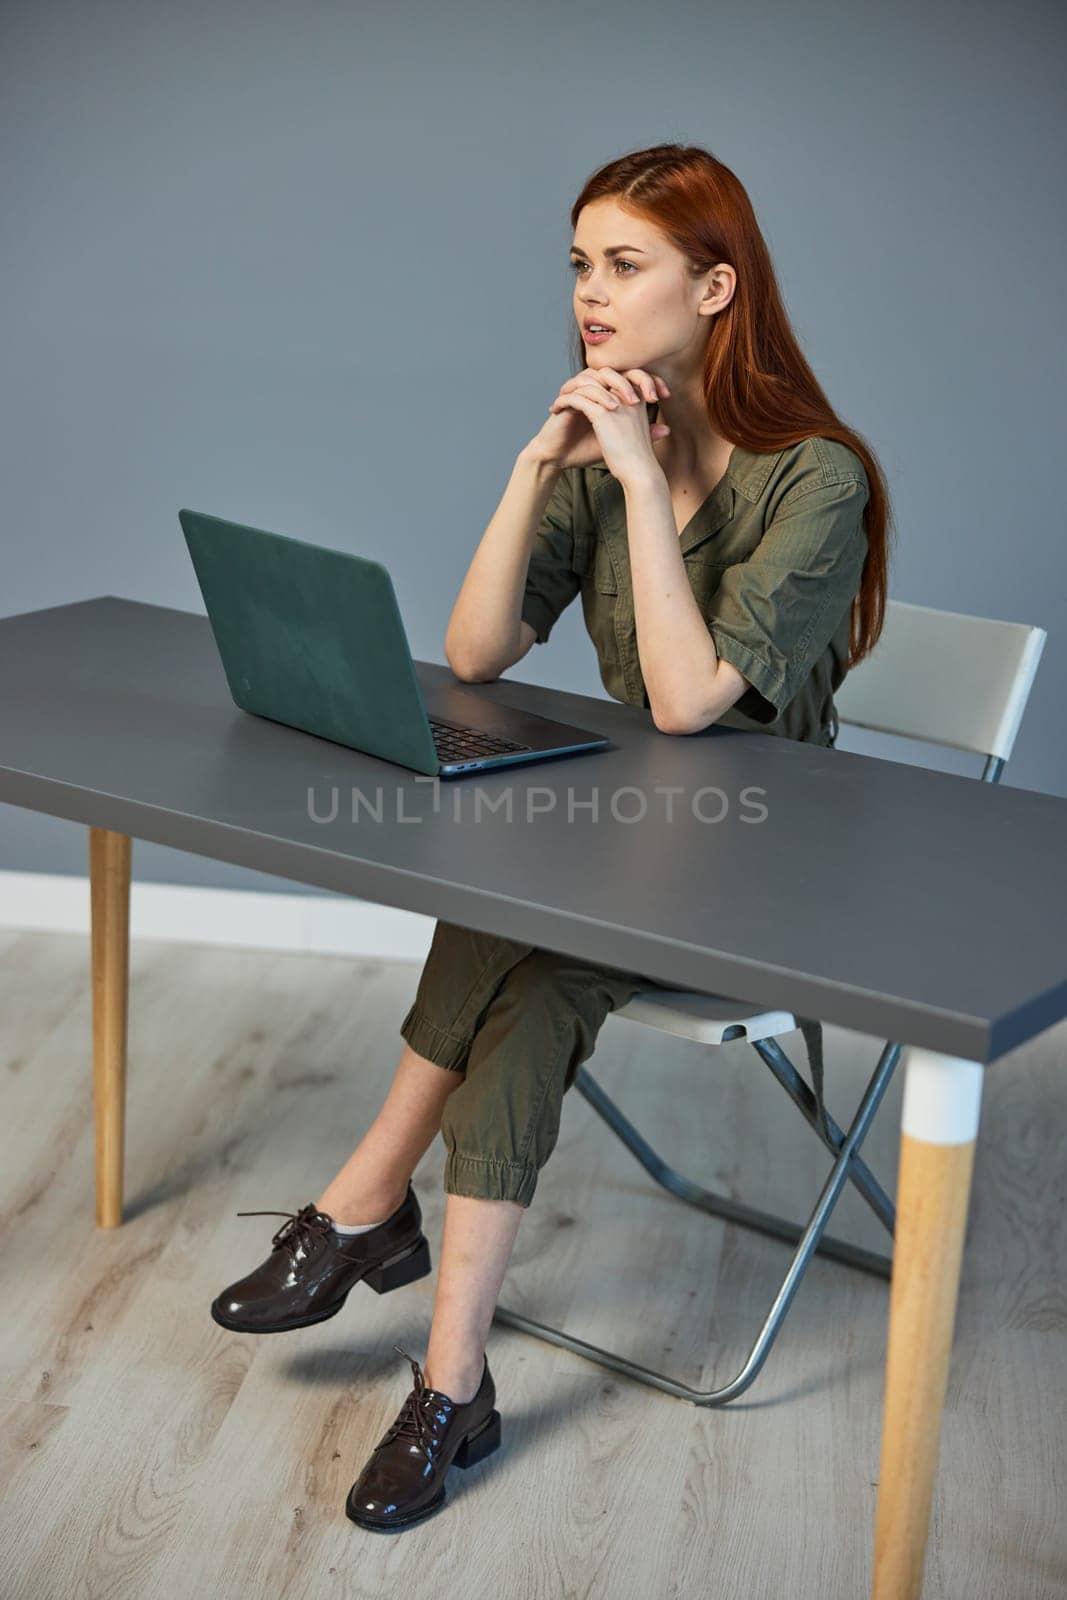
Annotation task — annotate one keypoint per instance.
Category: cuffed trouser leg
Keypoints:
(517, 1021)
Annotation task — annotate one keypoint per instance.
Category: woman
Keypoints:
(775, 514)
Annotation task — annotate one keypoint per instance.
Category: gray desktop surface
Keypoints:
(902, 902)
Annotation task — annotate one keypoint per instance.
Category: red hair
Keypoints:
(760, 391)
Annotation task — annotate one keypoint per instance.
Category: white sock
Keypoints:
(359, 1227)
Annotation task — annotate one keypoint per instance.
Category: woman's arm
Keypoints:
(688, 685)
(485, 633)
(771, 616)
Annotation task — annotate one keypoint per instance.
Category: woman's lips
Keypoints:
(595, 338)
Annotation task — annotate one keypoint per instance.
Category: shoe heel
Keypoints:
(414, 1263)
(476, 1446)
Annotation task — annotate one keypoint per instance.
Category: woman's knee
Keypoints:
(461, 974)
(525, 1056)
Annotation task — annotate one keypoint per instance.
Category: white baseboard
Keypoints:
(329, 924)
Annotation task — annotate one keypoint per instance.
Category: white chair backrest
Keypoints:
(946, 678)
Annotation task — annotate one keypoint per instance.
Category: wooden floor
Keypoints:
(148, 1452)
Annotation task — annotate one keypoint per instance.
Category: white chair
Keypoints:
(936, 676)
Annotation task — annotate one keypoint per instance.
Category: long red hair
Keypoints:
(760, 391)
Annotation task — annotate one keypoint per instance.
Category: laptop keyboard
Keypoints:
(458, 744)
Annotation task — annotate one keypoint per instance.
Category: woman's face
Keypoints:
(661, 315)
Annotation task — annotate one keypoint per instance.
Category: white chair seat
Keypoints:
(707, 1018)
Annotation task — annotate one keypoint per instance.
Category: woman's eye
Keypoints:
(576, 266)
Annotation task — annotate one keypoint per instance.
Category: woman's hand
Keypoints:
(599, 416)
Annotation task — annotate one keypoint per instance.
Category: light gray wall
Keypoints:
(305, 267)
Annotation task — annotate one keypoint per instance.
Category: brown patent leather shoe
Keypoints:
(404, 1480)
(311, 1268)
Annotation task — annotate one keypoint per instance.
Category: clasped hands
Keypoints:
(611, 402)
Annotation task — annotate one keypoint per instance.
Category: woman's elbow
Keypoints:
(669, 722)
(682, 720)
(468, 670)
(466, 673)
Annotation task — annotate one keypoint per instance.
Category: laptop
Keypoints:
(312, 637)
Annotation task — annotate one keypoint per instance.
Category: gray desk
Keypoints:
(907, 904)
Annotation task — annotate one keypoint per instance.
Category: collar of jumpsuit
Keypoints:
(774, 557)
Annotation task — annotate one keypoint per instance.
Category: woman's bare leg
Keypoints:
(374, 1179)
(475, 1246)
(478, 1234)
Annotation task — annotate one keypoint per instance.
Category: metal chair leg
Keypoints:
(809, 1241)
(733, 1211)
(770, 1051)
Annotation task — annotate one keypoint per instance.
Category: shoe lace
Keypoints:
(421, 1411)
(300, 1230)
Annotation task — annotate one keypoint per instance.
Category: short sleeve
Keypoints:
(773, 615)
(551, 581)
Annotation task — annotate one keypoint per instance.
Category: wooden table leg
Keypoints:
(109, 893)
(939, 1125)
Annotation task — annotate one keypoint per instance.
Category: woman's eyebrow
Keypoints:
(612, 250)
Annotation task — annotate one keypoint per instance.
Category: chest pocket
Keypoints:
(724, 549)
(604, 580)
(703, 572)
(706, 569)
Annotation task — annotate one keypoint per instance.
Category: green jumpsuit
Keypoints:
(774, 558)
